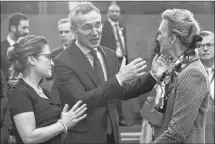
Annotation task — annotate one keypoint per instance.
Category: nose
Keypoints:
(94, 31)
(52, 63)
(27, 31)
(205, 47)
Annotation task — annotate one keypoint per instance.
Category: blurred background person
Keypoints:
(185, 101)
(114, 37)
(205, 50)
(37, 115)
(65, 34)
(66, 38)
(114, 33)
(5, 123)
(18, 26)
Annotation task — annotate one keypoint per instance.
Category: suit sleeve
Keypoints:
(138, 87)
(73, 90)
(191, 89)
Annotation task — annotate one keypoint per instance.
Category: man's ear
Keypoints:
(13, 28)
(73, 30)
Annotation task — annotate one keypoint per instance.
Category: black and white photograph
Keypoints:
(107, 72)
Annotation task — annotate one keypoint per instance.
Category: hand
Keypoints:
(76, 114)
(159, 66)
(131, 71)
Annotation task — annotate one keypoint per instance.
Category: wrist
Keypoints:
(119, 79)
(154, 76)
(64, 126)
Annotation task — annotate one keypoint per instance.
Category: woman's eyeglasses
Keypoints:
(48, 56)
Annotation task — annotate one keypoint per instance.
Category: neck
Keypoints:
(12, 36)
(208, 63)
(179, 50)
(32, 79)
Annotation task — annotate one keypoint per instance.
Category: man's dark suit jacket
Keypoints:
(108, 38)
(56, 51)
(76, 80)
(5, 63)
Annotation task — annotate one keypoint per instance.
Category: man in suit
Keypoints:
(66, 38)
(114, 34)
(90, 72)
(18, 27)
(65, 34)
(114, 37)
(206, 53)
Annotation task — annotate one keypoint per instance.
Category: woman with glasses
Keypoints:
(37, 115)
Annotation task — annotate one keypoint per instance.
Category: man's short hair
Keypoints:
(63, 21)
(206, 33)
(81, 8)
(15, 18)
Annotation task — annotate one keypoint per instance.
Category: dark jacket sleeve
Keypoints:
(140, 86)
(73, 90)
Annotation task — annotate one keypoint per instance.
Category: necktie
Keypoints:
(119, 40)
(98, 67)
(100, 74)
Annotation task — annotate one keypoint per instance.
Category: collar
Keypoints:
(11, 41)
(113, 22)
(85, 50)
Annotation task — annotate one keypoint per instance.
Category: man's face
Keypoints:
(88, 29)
(22, 29)
(206, 48)
(114, 13)
(65, 34)
(163, 37)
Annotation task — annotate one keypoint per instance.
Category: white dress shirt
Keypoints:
(87, 51)
(11, 41)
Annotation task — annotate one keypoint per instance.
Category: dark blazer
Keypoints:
(187, 105)
(75, 80)
(108, 38)
(5, 63)
(56, 51)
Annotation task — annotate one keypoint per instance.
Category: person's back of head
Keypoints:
(30, 45)
(181, 22)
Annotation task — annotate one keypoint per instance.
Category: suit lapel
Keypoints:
(83, 63)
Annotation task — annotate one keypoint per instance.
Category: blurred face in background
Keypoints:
(163, 37)
(22, 29)
(206, 48)
(114, 12)
(44, 63)
(88, 29)
(65, 34)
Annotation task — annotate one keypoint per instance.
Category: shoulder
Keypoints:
(19, 91)
(107, 50)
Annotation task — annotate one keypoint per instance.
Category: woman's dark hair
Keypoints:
(30, 45)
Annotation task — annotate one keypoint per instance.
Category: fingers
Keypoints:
(80, 108)
(155, 59)
(140, 64)
(142, 69)
(77, 105)
(65, 108)
(80, 113)
(82, 117)
(136, 61)
(123, 62)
